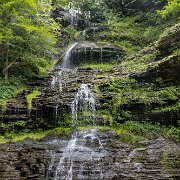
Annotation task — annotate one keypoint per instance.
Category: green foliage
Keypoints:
(104, 66)
(133, 132)
(172, 133)
(124, 8)
(144, 129)
(172, 9)
(28, 33)
(71, 32)
(12, 126)
(64, 120)
(36, 135)
(91, 10)
(131, 93)
(60, 3)
(133, 33)
(9, 89)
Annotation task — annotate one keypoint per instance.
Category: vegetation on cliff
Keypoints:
(34, 33)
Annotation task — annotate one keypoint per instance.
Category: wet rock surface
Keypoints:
(155, 159)
(91, 52)
(53, 104)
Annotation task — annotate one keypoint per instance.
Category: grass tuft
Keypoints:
(36, 135)
(31, 96)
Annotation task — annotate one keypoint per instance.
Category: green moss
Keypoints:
(104, 66)
(168, 162)
(172, 133)
(31, 96)
(128, 137)
(132, 132)
(36, 135)
(174, 108)
(44, 66)
(12, 126)
(129, 92)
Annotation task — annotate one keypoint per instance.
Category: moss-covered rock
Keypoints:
(170, 39)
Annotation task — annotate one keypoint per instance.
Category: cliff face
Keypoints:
(152, 92)
(132, 69)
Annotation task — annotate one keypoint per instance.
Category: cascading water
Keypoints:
(73, 12)
(67, 57)
(83, 107)
(57, 81)
(82, 157)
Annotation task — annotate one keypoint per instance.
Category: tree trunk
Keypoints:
(6, 73)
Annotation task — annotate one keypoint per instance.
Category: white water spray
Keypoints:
(84, 147)
(83, 107)
(67, 57)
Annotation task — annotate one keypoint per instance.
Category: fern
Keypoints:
(172, 9)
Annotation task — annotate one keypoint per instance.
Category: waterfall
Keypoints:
(83, 107)
(67, 57)
(57, 81)
(84, 33)
(74, 12)
(82, 157)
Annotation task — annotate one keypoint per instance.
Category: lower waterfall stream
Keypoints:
(82, 157)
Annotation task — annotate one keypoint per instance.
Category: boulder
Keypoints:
(64, 16)
(169, 39)
(168, 69)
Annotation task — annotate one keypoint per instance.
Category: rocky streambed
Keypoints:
(101, 157)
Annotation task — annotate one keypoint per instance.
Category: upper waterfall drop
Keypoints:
(57, 81)
(67, 57)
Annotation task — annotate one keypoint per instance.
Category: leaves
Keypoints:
(27, 31)
(172, 9)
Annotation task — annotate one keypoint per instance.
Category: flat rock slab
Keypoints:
(156, 159)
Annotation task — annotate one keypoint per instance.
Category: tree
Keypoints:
(59, 3)
(90, 9)
(27, 33)
(124, 7)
